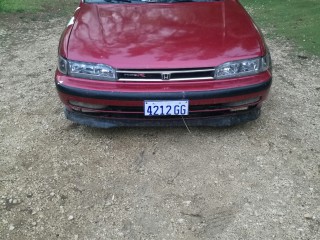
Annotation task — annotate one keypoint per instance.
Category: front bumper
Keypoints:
(208, 106)
(140, 96)
(220, 121)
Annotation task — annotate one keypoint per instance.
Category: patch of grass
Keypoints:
(34, 6)
(20, 5)
(297, 20)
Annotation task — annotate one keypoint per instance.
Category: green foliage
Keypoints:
(297, 20)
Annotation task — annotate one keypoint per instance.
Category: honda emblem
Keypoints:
(165, 76)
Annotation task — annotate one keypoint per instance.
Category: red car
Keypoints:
(162, 63)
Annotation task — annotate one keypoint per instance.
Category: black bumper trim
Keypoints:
(214, 121)
(164, 95)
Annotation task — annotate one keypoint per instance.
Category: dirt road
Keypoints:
(59, 180)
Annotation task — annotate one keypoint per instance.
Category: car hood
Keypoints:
(159, 36)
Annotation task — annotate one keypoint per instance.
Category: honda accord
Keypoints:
(162, 63)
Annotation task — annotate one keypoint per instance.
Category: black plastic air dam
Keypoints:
(231, 119)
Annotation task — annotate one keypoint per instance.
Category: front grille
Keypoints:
(165, 74)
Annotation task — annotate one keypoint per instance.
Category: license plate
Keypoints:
(166, 108)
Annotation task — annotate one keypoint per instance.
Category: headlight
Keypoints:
(243, 67)
(91, 71)
(86, 70)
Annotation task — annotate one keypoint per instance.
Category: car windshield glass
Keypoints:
(147, 1)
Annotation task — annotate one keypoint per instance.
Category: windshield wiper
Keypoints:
(117, 1)
(178, 1)
(148, 1)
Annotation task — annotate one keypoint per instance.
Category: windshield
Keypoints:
(147, 1)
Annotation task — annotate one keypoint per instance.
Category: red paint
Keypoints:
(180, 35)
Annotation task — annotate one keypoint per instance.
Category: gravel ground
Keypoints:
(59, 180)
